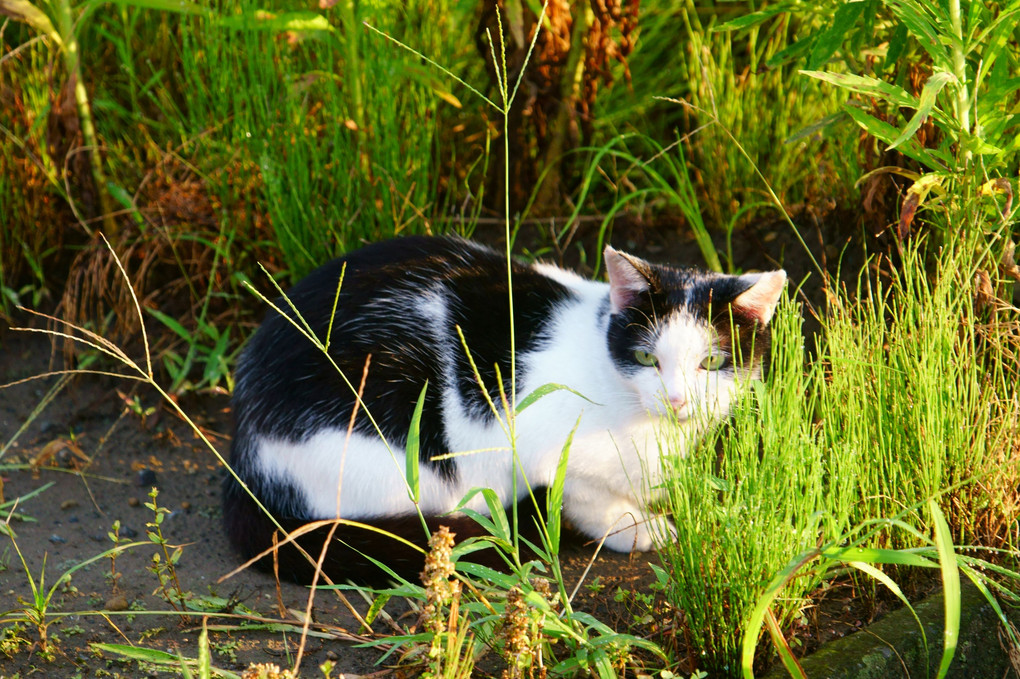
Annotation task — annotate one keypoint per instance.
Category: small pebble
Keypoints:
(331, 655)
(127, 532)
(64, 459)
(57, 540)
(133, 502)
(68, 504)
(186, 506)
(145, 478)
(72, 519)
(118, 602)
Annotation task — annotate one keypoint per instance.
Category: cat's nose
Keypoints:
(678, 403)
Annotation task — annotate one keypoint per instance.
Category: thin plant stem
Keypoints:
(960, 71)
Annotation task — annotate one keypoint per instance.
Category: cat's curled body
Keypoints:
(653, 344)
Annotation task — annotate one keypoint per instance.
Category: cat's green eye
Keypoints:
(645, 358)
(714, 362)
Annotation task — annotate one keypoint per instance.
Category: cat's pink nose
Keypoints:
(677, 403)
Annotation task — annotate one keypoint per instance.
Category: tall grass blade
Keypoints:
(875, 573)
(781, 645)
(554, 498)
(950, 586)
(412, 449)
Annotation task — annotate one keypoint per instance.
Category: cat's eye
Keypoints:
(714, 362)
(645, 358)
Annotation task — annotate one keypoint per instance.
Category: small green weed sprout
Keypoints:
(13, 639)
(114, 535)
(37, 612)
(164, 561)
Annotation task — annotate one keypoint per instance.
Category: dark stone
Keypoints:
(145, 478)
(870, 654)
(127, 533)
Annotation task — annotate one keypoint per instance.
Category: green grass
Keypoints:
(846, 447)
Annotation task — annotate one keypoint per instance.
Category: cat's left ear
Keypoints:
(761, 298)
(628, 278)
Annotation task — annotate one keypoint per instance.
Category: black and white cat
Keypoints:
(654, 345)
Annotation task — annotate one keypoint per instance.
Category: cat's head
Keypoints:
(684, 339)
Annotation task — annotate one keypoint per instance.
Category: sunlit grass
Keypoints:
(899, 406)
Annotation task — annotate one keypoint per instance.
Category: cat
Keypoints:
(654, 344)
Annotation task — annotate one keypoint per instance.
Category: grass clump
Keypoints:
(742, 511)
(901, 406)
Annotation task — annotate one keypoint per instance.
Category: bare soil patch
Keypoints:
(97, 448)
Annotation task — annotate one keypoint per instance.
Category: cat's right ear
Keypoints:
(628, 278)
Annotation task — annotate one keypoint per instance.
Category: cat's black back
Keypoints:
(286, 387)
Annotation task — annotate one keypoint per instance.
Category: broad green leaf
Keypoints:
(791, 53)
(931, 90)
(923, 29)
(157, 657)
(498, 525)
(975, 579)
(873, 572)
(900, 557)
(885, 132)
(994, 41)
(121, 195)
(27, 13)
(950, 586)
(172, 323)
(779, 642)
(753, 18)
(865, 85)
(486, 574)
(816, 127)
(979, 146)
(897, 43)
(756, 619)
(412, 449)
(377, 605)
(137, 653)
(216, 362)
(830, 40)
(603, 665)
(498, 513)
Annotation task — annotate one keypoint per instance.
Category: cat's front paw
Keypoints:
(642, 536)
